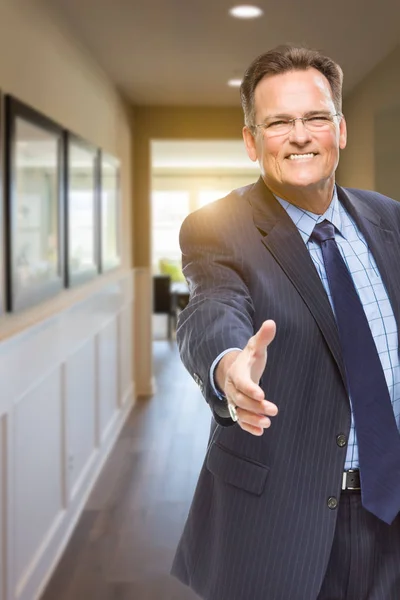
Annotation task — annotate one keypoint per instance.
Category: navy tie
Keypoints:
(377, 432)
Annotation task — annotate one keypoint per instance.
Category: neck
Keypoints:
(314, 200)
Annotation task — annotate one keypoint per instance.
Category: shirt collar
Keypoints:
(305, 220)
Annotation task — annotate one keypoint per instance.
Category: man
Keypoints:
(299, 494)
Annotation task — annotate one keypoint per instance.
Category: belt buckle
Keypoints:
(344, 480)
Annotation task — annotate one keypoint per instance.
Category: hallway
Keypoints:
(124, 543)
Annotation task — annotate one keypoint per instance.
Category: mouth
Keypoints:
(301, 156)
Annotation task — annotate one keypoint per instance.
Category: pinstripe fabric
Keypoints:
(365, 558)
(373, 296)
(259, 526)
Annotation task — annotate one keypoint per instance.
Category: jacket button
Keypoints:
(341, 440)
(332, 502)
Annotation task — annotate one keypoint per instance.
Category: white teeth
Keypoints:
(299, 156)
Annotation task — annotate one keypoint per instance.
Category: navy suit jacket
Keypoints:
(262, 520)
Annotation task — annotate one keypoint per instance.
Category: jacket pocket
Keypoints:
(236, 470)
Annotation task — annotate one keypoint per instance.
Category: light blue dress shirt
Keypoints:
(370, 288)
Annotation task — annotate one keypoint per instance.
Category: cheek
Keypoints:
(271, 152)
(331, 144)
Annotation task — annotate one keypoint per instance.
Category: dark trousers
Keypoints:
(365, 558)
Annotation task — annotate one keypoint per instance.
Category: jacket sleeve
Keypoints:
(220, 311)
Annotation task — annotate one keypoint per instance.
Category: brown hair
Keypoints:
(281, 60)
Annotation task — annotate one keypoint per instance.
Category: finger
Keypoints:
(254, 406)
(250, 429)
(248, 418)
(247, 387)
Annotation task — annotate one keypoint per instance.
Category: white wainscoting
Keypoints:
(66, 388)
(145, 381)
(3, 482)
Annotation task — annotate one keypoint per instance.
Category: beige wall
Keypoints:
(157, 123)
(378, 91)
(42, 65)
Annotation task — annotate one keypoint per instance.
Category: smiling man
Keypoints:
(298, 155)
(299, 494)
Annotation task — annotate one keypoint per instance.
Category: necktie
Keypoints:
(377, 433)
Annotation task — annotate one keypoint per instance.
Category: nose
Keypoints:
(299, 132)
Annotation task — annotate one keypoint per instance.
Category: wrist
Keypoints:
(222, 368)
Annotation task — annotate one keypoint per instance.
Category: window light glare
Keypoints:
(234, 82)
(245, 11)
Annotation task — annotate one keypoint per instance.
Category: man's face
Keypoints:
(296, 94)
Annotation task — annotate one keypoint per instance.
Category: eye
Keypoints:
(280, 123)
(319, 119)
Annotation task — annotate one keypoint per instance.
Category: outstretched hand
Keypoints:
(239, 373)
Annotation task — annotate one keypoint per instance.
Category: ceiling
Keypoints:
(176, 52)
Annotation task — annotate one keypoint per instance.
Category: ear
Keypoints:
(250, 143)
(342, 134)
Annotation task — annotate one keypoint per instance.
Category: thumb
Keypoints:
(258, 349)
(264, 335)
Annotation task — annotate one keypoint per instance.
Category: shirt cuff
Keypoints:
(217, 391)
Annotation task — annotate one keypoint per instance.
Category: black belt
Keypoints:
(351, 481)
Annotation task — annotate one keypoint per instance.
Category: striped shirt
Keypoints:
(369, 285)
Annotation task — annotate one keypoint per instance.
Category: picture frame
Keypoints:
(34, 207)
(82, 206)
(110, 212)
(2, 213)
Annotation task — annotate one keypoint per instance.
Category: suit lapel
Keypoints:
(383, 242)
(283, 240)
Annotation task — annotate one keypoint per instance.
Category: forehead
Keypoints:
(293, 92)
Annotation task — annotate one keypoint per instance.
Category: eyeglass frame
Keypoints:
(264, 126)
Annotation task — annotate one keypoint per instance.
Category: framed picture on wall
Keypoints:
(2, 221)
(34, 159)
(110, 212)
(82, 194)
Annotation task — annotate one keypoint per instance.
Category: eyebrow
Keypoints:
(310, 113)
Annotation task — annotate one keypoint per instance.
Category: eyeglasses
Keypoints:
(315, 124)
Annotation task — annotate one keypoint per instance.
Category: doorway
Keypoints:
(185, 176)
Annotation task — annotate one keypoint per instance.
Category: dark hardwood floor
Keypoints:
(124, 543)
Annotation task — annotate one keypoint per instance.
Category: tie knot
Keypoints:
(323, 231)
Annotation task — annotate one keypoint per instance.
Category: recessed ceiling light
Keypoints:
(246, 11)
(234, 82)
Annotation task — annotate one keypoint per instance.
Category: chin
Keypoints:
(303, 182)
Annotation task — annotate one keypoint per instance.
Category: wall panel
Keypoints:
(107, 375)
(37, 470)
(3, 505)
(125, 332)
(62, 383)
(80, 402)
